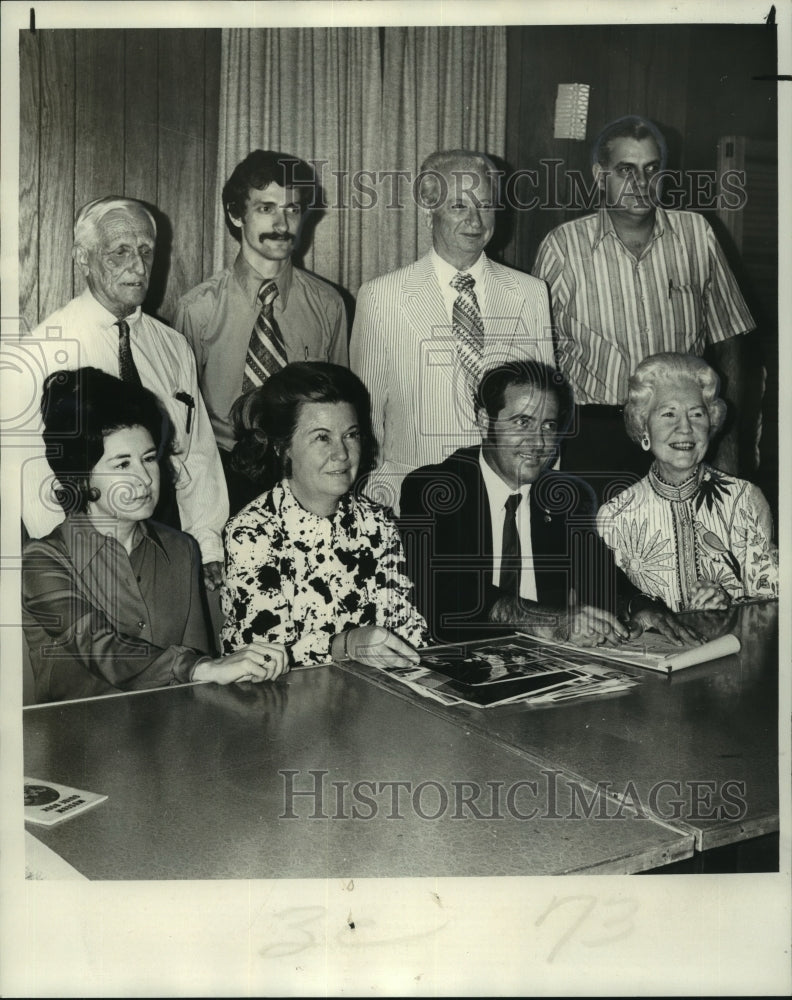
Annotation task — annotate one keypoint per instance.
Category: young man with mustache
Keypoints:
(253, 318)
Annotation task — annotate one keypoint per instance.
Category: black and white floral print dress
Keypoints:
(297, 578)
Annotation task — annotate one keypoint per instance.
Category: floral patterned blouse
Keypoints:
(712, 527)
(297, 578)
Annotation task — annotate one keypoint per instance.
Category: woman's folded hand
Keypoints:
(707, 595)
(259, 661)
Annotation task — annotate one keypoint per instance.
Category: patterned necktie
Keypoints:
(511, 552)
(468, 328)
(127, 369)
(266, 352)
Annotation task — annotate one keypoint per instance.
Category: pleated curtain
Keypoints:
(444, 88)
(355, 100)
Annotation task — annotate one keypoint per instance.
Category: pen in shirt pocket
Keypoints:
(189, 402)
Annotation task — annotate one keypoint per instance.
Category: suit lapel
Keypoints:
(482, 531)
(549, 545)
(424, 310)
(504, 310)
(467, 529)
(422, 302)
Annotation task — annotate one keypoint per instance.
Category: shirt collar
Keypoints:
(151, 535)
(94, 311)
(497, 490)
(291, 505)
(604, 226)
(445, 271)
(680, 492)
(84, 542)
(251, 281)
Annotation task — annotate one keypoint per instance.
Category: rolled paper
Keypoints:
(724, 645)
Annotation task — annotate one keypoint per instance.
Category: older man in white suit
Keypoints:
(425, 333)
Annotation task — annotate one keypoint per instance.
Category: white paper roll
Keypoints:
(725, 645)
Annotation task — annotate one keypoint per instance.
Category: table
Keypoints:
(715, 724)
(195, 789)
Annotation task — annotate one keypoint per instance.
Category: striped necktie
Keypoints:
(468, 328)
(127, 369)
(266, 352)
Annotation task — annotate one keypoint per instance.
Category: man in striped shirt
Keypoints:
(630, 281)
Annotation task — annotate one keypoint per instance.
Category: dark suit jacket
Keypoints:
(447, 532)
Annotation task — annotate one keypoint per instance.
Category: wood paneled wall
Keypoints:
(697, 82)
(116, 112)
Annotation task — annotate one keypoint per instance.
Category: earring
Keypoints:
(645, 442)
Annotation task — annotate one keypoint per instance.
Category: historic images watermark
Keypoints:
(547, 186)
(310, 795)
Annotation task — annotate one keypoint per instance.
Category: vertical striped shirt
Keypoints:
(611, 310)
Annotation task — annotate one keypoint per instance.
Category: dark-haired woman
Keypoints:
(310, 563)
(111, 598)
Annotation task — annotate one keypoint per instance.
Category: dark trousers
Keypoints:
(597, 449)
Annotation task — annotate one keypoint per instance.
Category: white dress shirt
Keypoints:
(166, 366)
(498, 492)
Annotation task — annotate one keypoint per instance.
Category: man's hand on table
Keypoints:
(590, 626)
(584, 625)
(550, 623)
(668, 625)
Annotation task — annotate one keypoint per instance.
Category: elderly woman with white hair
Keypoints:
(687, 535)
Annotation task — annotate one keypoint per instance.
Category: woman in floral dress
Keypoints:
(687, 535)
(311, 561)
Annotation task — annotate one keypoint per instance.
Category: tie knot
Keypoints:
(123, 327)
(512, 502)
(267, 293)
(463, 282)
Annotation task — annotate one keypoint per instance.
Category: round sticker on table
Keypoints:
(40, 795)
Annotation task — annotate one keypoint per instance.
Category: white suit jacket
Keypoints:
(403, 348)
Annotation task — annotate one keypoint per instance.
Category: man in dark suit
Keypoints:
(495, 539)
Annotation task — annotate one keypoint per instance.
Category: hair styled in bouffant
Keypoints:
(676, 368)
(80, 408)
(264, 419)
